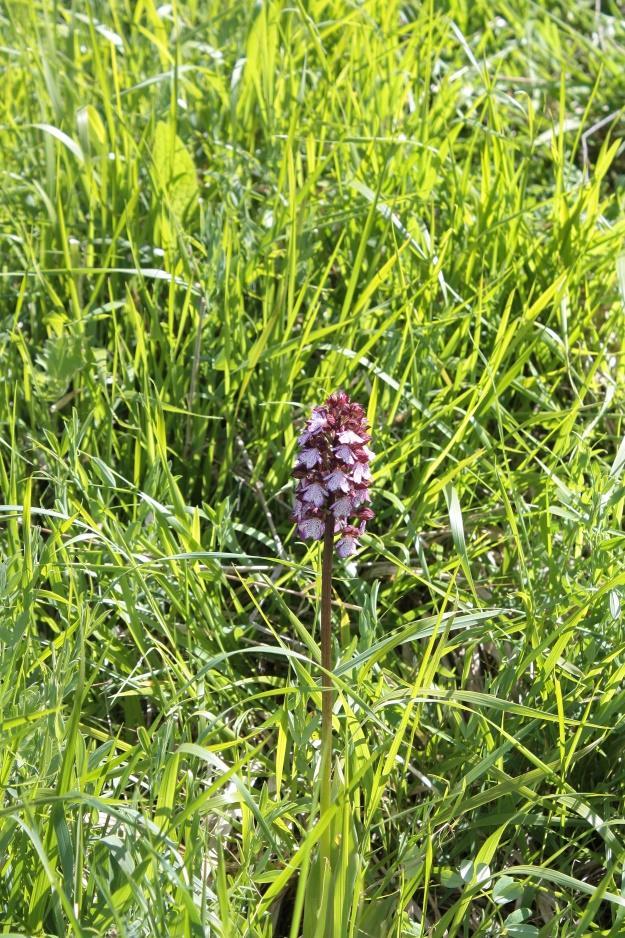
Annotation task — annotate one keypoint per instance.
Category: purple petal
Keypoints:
(316, 494)
(348, 436)
(343, 507)
(300, 511)
(345, 454)
(337, 480)
(311, 528)
(317, 423)
(360, 495)
(346, 546)
(361, 473)
(309, 457)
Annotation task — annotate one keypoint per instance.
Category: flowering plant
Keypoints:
(332, 497)
(333, 473)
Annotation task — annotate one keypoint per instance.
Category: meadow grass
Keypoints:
(212, 214)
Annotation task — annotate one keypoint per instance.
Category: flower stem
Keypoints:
(326, 690)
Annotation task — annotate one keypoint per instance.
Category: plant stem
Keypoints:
(326, 689)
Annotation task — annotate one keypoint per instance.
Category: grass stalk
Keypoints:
(327, 695)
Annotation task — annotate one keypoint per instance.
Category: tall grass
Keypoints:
(211, 215)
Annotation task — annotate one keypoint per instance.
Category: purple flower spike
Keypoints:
(333, 473)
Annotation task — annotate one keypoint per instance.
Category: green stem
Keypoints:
(326, 691)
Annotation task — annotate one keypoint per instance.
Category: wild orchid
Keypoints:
(332, 497)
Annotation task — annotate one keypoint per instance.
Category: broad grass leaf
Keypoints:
(62, 358)
(175, 177)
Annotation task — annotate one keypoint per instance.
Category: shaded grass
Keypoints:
(212, 215)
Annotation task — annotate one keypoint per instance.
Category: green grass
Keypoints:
(212, 214)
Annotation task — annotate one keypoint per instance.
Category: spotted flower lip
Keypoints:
(349, 437)
(333, 474)
(348, 543)
(337, 480)
(312, 528)
(309, 457)
(343, 507)
(347, 546)
(316, 494)
(345, 454)
(361, 473)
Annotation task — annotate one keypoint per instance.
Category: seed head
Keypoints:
(333, 475)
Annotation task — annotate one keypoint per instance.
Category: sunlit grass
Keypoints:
(211, 216)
